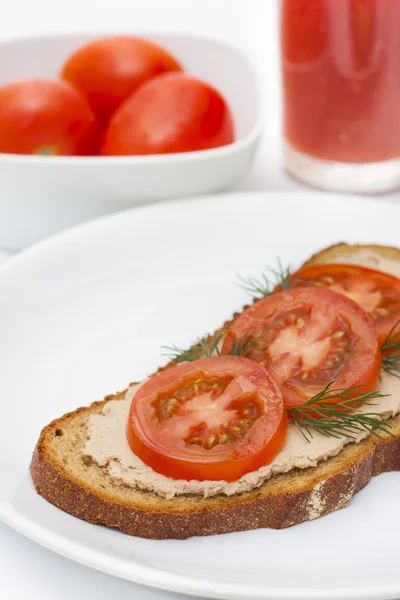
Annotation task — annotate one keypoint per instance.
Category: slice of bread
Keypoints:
(367, 256)
(64, 476)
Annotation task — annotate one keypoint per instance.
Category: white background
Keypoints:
(26, 569)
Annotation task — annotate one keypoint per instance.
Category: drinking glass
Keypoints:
(341, 91)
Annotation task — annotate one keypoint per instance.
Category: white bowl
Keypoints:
(42, 195)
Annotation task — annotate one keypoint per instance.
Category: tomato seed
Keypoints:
(172, 404)
(195, 440)
(328, 279)
(211, 442)
(237, 430)
(250, 411)
(338, 334)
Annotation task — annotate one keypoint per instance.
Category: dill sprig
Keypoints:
(205, 346)
(180, 355)
(391, 351)
(242, 346)
(281, 277)
(209, 346)
(328, 413)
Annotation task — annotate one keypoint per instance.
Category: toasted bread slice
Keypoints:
(382, 258)
(64, 476)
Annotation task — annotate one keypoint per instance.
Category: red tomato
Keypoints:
(378, 293)
(46, 117)
(214, 418)
(309, 337)
(108, 70)
(171, 113)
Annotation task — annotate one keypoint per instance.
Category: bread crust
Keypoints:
(336, 250)
(282, 501)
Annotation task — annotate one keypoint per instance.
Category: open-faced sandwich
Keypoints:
(279, 417)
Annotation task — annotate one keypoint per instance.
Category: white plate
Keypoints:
(83, 314)
(43, 195)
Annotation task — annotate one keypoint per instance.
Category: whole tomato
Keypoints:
(108, 70)
(46, 117)
(171, 113)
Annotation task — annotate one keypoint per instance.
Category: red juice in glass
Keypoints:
(341, 82)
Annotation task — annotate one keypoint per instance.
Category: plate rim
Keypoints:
(86, 226)
(159, 579)
(145, 574)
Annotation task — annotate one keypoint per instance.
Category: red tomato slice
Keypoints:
(378, 293)
(309, 337)
(214, 418)
(169, 114)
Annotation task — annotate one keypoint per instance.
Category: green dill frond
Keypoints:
(391, 351)
(335, 413)
(281, 277)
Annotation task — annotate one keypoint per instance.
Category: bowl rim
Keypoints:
(177, 157)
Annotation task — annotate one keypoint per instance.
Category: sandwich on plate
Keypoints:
(279, 417)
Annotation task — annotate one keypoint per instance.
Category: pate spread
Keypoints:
(108, 447)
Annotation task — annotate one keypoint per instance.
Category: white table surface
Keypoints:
(26, 569)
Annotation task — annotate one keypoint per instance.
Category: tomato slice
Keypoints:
(309, 337)
(378, 293)
(214, 418)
